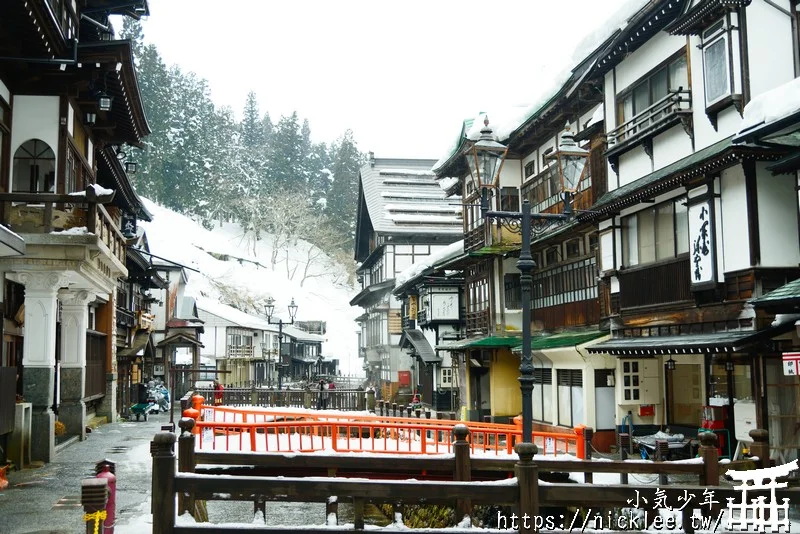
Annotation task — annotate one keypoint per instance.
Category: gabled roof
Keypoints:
(403, 197)
(232, 315)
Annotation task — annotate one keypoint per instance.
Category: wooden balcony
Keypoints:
(240, 352)
(44, 213)
(478, 323)
(125, 318)
(653, 284)
(145, 321)
(675, 107)
(474, 239)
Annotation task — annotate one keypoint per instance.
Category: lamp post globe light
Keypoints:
(269, 308)
(485, 159)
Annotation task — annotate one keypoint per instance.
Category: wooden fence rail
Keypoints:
(524, 492)
(336, 399)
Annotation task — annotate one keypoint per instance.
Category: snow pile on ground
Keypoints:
(225, 255)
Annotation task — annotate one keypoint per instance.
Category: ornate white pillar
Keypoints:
(39, 357)
(72, 383)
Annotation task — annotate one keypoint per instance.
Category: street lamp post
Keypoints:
(269, 308)
(485, 158)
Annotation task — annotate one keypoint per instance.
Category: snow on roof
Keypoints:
(405, 198)
(301, 335)
(772, 105)
(449, 208)
(616, 22)
(505, 122)
(450, 251)
(424, 219)
(447, 182)
(412, 172)
(597, 116)
(237, 317)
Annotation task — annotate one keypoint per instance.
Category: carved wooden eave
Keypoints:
(581, 92)
(641, 28)
(699, 16)
(676, 175)
(118, 78)
(98, 12)
(110, 174)
(34, 29)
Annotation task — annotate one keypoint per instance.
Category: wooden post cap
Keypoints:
(707, 439)
(461, 432)
(162, 444)
(186, 424)
(759, 435)
(526, 451)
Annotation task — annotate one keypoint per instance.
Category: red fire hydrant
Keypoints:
(106, 469)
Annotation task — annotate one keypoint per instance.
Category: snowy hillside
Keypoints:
(240, 269)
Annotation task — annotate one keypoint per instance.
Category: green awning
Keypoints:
(495, 342)
(787, 295)
(564, 339)
(497, 249)
(487, 342)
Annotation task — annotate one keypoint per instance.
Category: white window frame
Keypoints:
(717, 32)
(446, 377)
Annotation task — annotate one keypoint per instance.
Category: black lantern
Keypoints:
(485, 158)
(285, 352)
(571, 160)
(91, 118)
(729, 366)
(269, 307)
(130, 167)
(104, 101)
(670, 364)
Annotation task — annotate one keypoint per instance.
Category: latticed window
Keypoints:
(34, 167)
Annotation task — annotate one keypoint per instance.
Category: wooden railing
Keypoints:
(43, 213)
(229, 428)
(144, 320)
(338, 399)
(474, 238)
(478, 322)
(240, 351)
(424, 480)
(661, 283)
(658, 115)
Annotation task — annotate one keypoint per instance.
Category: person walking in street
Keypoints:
(323, 395)
(218, 389)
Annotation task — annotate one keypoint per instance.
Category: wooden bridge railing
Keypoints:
(230, 428)
(194, 481)
(337, 399)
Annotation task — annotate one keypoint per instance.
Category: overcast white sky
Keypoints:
(401, 75)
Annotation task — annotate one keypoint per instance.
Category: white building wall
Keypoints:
(633, 164)
(734, 242)
(769, 45)
(35, 117)
(643, 60)
(510, 174)
(777, 218)
(671, 146)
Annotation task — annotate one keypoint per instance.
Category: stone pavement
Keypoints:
(47, 499)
